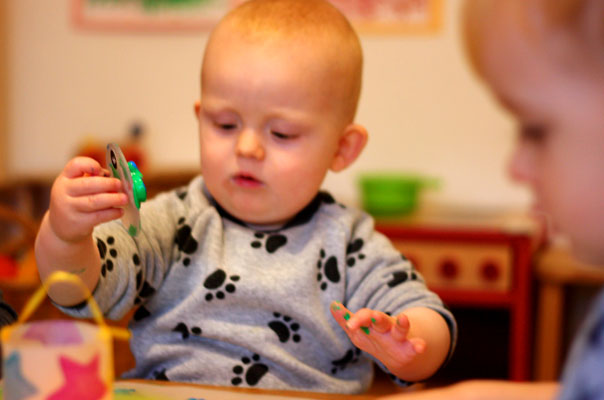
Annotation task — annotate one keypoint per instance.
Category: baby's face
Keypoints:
(560, 150)
(268, 128)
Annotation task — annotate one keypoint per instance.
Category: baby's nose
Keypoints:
(249, 144)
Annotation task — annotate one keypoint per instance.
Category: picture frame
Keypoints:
(403, 17)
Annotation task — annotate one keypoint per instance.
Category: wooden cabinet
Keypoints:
(477, 268)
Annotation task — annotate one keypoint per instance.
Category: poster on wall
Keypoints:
(368, 16)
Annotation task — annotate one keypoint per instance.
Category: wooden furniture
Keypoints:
(480, 266)
(173, 390)
(555, 270)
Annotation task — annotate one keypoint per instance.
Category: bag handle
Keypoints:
(61, 276)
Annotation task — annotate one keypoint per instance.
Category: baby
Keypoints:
(544, 61)
(251, 276)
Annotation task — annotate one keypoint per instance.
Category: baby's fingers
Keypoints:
(400, 333)
(400, 329)
(419, 345)
(341, 314)
(82, 166)
(381, 322)
(98, 217)
(99, 202)
(352, 322)
(93, 185)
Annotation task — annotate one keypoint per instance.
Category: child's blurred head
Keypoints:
(280, 83)
(544, 61)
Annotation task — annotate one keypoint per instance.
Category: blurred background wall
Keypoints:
(425, 110)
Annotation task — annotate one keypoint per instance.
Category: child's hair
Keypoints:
(306, 21)
(568, 31)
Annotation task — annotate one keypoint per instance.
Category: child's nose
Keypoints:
(249, 144)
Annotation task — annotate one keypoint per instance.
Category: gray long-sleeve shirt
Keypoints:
(222, 303)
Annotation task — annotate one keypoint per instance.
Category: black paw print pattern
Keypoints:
(183, 329)
(185, 241)
(160, 375)
(215, 282)
(328, 268)
(351, 357)
(399, 277)
(354, 247)
(272, 243)
(283, 326)
(251, 370)
(141, 313)
(143, 288)
(106, 254)
(181, 193)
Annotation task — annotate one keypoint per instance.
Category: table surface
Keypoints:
(158, 390)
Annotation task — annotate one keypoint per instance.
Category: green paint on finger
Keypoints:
(373, 320)
(365, 329)
(336, 307)
(346, 316)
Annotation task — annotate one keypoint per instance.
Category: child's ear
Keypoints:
(196, 108)
(351, 144)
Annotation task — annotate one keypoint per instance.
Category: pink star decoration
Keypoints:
(82, 381)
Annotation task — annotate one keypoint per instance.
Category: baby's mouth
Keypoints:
(245, 179)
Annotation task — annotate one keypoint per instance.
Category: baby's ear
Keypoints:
(196, 108)
(351, 144)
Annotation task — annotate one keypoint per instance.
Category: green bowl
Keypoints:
(391, 194)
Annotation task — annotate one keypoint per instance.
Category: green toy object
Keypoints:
(132, 182)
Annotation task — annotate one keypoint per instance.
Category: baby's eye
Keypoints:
(534, 133)
(225, 126)
(281, 135)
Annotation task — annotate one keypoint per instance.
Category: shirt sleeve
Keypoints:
(384, 279)
(132, 268)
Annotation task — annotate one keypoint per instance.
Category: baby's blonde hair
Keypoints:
(309, 21)
(581, 21)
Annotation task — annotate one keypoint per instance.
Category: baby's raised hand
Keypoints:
(83, 196)
(383, 336)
